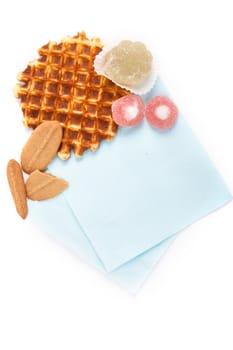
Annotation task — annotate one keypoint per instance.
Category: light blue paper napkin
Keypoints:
(127, 201)
(55, 218)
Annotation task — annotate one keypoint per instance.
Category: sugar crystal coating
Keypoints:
(128, 63)
(128, 110)
(161, 112)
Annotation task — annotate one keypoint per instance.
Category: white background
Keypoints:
(49, 299)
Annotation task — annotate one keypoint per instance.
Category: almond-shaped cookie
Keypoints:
(41, 147)
(17, 187)
(41, 186)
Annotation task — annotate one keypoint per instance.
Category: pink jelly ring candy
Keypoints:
(128, 110)
(161, 112)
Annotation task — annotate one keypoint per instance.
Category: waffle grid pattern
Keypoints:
(62, 85)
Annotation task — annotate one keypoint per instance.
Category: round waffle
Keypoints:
(62, 85)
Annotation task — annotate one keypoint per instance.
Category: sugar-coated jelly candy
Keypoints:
(161, 112)
(128, 63)
(128, 110)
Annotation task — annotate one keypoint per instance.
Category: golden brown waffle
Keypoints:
(62, 85)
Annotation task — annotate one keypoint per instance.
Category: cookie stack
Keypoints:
(37, 153)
